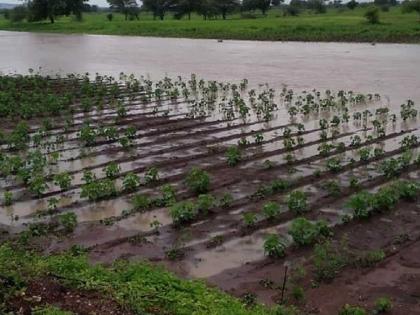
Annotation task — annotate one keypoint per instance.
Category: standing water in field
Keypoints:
(389, 69)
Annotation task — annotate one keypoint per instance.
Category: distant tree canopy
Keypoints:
(129, 8)
(411, 6)
(352, 4)
(263, 5)
(39, 10)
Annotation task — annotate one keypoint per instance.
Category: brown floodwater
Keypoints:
(389, 69)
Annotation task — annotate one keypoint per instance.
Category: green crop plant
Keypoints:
(88, 135)
(233, 155)
(8, 198)
(383, 305)
(364, 154)
(271, 210)
(68, 221)
(37, 185)
(408, 190)
(327, 261)
(352, 310)
(99, 189)
(333, 188)
(151, 176)
(226, 200)
(361, 204)
(131, 182)
(250, 219)
(168, 195)
(305, 232)
(88, 177)
(183, 212)
(63, 180)
(112, 170)
(259, 138)
(141, 202)
(385, 199)
(297, 202)
(274, 246)
(334, 165)
(198, 181)
(205, 203)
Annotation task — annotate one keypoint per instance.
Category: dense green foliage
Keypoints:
(140, 286)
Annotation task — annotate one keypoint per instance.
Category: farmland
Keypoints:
(231, 182)
(337, 25)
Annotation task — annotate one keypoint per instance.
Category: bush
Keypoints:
(372, 15)
(291, 10)
(198, 181)
(110, 16)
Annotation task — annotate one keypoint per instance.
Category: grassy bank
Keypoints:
(138, 287)
(336, 25)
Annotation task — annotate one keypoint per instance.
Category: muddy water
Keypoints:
(389, 69)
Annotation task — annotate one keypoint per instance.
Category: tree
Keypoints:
(263, 5)
(206, 8)
(50, 9)
(186, 7)
(159, 7)
(226, 6)
(45, 9)
(411, 6)
(129, 8)
(352, 4)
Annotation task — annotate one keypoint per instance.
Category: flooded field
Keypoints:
(208, 178)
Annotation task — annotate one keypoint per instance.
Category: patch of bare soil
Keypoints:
(48, 291)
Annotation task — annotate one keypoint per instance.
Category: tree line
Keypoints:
(38, 10)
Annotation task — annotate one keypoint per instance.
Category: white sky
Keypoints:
(98, 2)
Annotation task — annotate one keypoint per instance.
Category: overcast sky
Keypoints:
(98, 2)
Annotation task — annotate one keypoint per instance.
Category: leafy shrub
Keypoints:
(63, 180)
(99, 189)
(371, 258)
(8, 198)
(250, 219)
(385, 199)
(131, 181)
(205, 203)
(68, 221)
(305, 232)
(383, 305)
(274, 247)
(141, 202)
(372, 15)
(352, 310)
(183, 212)
(361, 205)
(327, 261)
(297, 202)
(112, 170)
(198, 181)
(168, 195)
(408, 190)
(271, 210)
(152, 175)
(233, 155)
